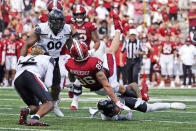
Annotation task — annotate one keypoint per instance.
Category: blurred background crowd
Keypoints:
(152, 21)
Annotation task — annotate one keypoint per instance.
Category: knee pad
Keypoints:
(77, 90)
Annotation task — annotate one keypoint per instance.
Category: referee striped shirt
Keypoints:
(131, 48)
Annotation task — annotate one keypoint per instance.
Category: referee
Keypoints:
(134, 51)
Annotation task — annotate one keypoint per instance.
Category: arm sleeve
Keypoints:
(49, 73)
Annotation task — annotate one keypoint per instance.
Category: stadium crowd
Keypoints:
(154, 22)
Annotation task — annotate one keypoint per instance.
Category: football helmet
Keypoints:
(188, 40)
(108, 107)
(56, 21)
(79, 51)
(50, 5)
(79, 13)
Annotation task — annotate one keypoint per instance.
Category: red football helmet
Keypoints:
(79, 51)
(79, 13)
(50, 5)
(188, 40)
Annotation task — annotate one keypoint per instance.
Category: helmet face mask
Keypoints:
(107, 107)
(56, 21)
(79, 51)
(79, 13)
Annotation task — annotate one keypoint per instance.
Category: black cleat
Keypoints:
(35, 122)
(23, 116)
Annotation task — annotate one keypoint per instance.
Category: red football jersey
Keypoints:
(167, 48)
(163, 31)
(19, 46)
(85, 31)
(86, 71)
(1, 50)
(10, 48)
(155, 53)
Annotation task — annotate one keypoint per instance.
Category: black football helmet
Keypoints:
(56, 21)
(108, 107)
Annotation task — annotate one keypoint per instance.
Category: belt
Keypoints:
(133, 59)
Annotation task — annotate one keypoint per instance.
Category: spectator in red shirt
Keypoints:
(165, 15)
(2, 60)
(92, 14)
(192, 18)
(155, 5)
(6, 13)
(173, 9)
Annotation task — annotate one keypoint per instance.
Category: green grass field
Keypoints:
(168, 120)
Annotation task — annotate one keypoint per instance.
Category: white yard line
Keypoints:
(23, 129)
(78, 117)
(2, 108)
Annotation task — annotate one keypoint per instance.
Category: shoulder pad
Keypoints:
(37, 30)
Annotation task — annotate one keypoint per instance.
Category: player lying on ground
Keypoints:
(109, 111)
(94, 74)
(31, 71)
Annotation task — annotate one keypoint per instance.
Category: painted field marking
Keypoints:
(23, 129)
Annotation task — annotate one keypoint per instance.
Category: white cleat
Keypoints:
(162, 84)
(57, 110)
(74, 105)
(177, 105)
(173, 84)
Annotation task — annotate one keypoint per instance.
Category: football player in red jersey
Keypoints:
(100, 77)
(10, 58)
(167, 60)
(2, 60)
(87, 32)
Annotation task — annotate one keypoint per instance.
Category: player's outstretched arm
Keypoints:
(104, 82)
(29, 43)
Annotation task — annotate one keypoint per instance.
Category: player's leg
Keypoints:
(40, 91)
(77, 91)
(13, 67)
(170, 68)
(163, 70)
(140, 105)
(27, 97)
(55, 89)
(116, 40)
(7, 69)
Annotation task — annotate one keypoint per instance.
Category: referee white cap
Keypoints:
(133, 32)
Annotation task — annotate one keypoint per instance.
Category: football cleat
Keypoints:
(57, 110)
(73, 108)
(23, 116)
(144, 92)
(35, 122)
(74, 105)
(177, 105)
(117, 22)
